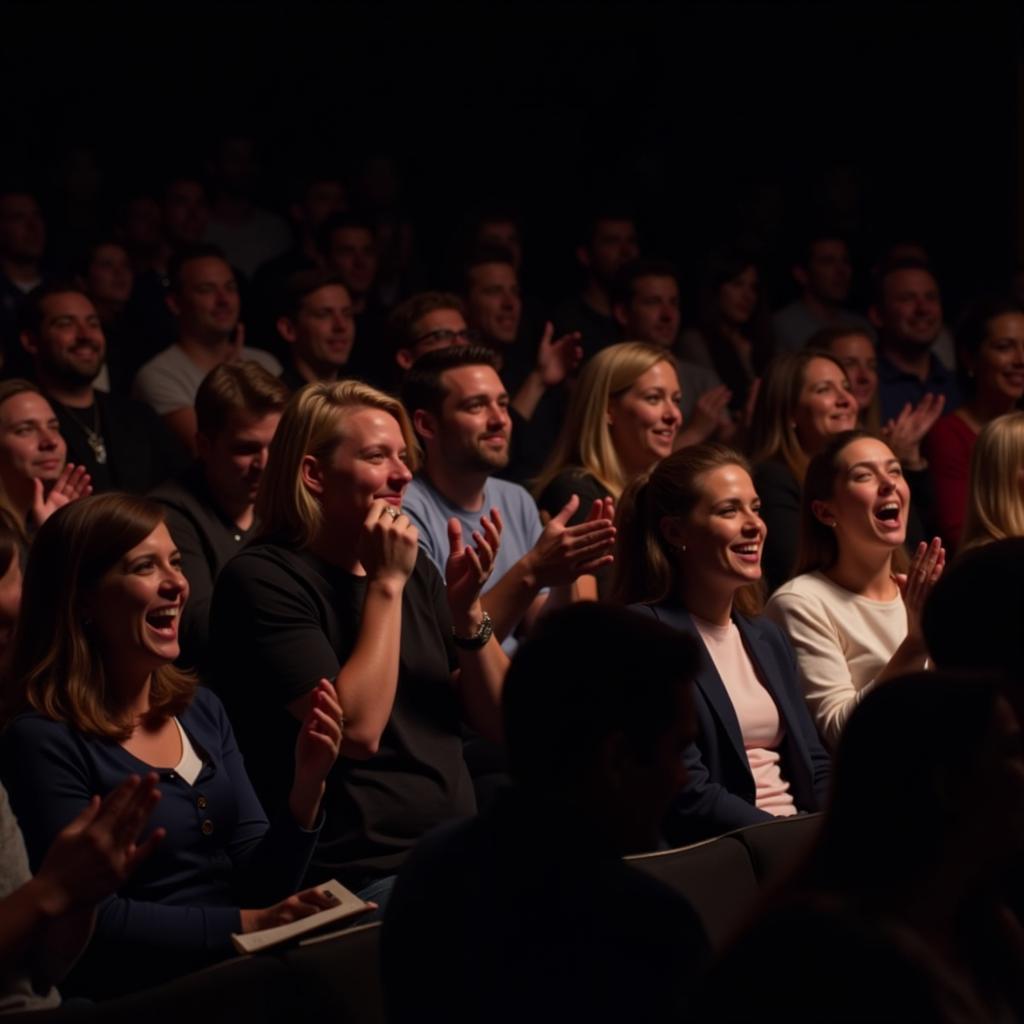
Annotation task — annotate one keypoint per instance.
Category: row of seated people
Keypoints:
(906, 908)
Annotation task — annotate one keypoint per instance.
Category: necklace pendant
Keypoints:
(99, 449)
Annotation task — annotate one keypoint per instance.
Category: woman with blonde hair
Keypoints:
(96, 698)
(689, 554)
(624, 416)
(335, 587)
(853, 609)
(995, 504)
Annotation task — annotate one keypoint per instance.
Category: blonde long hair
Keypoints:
(56, 666)
(995, 503)
(646, 569)
(311, 425)
(585, 441)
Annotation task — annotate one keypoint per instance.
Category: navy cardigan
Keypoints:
(719, 793)
(220, 853)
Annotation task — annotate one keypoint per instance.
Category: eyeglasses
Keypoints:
(445, 336)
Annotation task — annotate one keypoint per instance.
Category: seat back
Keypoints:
(777, 847)
(715, 876)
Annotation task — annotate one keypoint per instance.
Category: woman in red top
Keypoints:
(991, 346)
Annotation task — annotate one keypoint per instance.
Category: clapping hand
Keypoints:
(905, 433)
(916, 584)
(564, 553)
(73, 483)
(316, 750)
(469, 567)
(558, 357)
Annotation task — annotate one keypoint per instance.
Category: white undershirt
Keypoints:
(190, 764)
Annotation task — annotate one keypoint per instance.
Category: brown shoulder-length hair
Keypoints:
(646, 568)
(772, 430)
(57, 668)
(818, 547)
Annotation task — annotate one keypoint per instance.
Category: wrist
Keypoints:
(473, 633)
(52, 899)
(387, 586)
(304, 803)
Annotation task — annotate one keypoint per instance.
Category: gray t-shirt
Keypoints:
(430, 511)
(794, 324)
(170, 380)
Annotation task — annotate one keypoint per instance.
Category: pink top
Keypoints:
(756, 713)
(948, 448)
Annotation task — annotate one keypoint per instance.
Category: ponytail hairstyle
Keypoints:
(646, 568)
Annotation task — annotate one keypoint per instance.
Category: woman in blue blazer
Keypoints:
(689, 553)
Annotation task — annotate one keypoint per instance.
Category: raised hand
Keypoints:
(558, 357)
(73, 483)
(707, 416)
(468, 568)
(916, 584)
(905, 433)
(92, 856)
(563, 553)
(316, 750)
(295, 908)
(388, 545)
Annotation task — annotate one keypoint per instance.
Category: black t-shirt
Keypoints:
(283, 619)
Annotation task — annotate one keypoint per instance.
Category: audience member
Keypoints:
(608, 243)
(12, 554)
(689, 554)
(459, 408)
(965, 633)
(907, 310)
(904, 435)
(97, 696)
(805, 400)
(529, 910)
(122, 444)
(22, 247)
(995, 491)
(335, 588)
(105, 275)
(501, 229)
(48, 918)
(316, 323)
(851, 611)
(247, 234)
(645, 303)
(35, 477)
(623, 417)
(209, 508)
(823, 273)
(731, 335)
(902, 910)
(204, 297)
(991, 346)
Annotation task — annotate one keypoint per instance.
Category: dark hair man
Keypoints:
(122, 443)
(460, 410)
(210, 505)
(317, 324)
(529, 910)
(204, 297)
(823, 272)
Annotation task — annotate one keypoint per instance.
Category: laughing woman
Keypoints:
(97, 698)
(851, 615)
(689, 554)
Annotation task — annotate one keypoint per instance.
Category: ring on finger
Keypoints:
(392, 511)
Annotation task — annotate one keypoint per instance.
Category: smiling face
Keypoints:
(136, 608)
(998, 366)
(825, 406)
(235, 460)
(857, 354)
(70, 347)
(472, 433)
(870, 500)
(493, 302)
(644, 419)
(910, 311)
(109, 276)
(207, 299)
(652, 313)
(724, 534)
(323, 330)
(31, 445)
(367, 463)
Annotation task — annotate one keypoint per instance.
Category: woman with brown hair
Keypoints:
(688, 553)
(852, 612)
(95, 697)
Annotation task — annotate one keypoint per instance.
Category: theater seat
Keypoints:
(715, 876)
(777, 847)
(340, 975)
